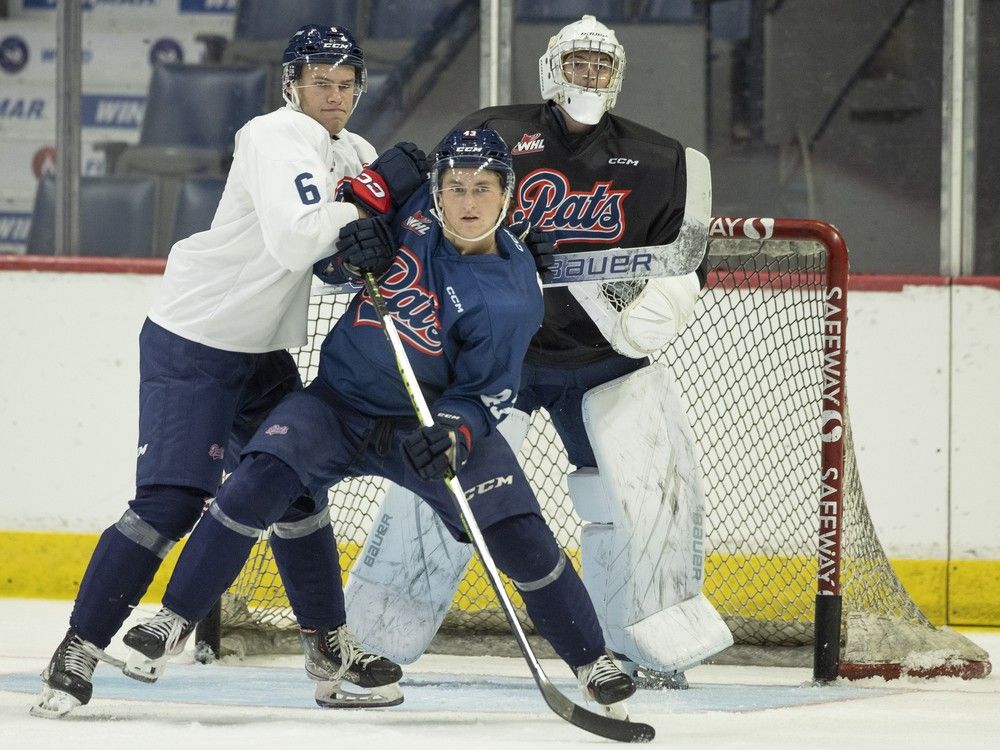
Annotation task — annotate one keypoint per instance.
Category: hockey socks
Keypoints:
(305, 551)
(119, 572)
(258, 493)
(557, 602)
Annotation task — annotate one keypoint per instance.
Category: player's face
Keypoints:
(588, 68)
(326, 94)
(471, 200)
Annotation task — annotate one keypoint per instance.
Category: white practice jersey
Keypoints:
(243, 285)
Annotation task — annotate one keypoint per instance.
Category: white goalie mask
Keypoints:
(585, 97)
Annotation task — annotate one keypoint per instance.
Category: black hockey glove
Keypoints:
(542, 244)
(434, 451)
(364, 245)
(388, 182)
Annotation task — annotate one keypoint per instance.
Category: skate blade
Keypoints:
(142, 668)
(342, 694)
(617, 711)
(53, 704)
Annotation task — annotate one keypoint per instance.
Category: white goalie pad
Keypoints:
(402, 584)
(643, 553)
(405, 579)
(638, 323)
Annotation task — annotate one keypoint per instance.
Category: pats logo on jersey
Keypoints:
(597, 215)
(417, 223)
(412, 307)
(530, 143)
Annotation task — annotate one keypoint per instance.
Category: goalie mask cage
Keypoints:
(793, 563)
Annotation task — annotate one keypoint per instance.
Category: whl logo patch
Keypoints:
(530, 143)
(417, 223)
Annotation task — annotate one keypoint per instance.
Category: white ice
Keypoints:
(475, 704)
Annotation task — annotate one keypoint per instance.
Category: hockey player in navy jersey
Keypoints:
(212, 353)
(594, 180)
(465, 296)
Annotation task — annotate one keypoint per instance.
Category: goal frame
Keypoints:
(829, 599)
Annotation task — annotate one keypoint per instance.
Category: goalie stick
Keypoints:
(679, 258)
(604, 726)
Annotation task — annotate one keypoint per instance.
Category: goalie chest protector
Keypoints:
(621, 185)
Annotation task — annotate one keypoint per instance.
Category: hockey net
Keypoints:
(790, 548)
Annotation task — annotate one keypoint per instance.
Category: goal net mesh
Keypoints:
(750, 366)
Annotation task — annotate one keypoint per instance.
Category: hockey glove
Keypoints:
(542, 244)
(388, 182)
(364, 246)
(434, 451)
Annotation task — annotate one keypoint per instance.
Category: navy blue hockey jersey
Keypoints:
(465, 321)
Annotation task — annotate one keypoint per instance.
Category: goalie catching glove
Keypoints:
(442, 447)
(542, 244)
(388, 182)
(364, 246)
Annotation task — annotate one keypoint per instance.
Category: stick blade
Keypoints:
(602, 726)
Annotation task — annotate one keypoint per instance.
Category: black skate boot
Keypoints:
(335, 657)
(603, 682)
(152, 642)
(66, 681)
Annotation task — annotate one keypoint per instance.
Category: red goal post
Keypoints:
(826, 656)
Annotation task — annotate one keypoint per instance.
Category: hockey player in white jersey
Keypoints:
(213, 359)
(594, 180)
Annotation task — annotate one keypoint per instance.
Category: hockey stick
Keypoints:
(605, 726)
(679, 258)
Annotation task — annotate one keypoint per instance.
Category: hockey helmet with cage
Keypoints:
(583, 103)
(323, 45)
(481, 149)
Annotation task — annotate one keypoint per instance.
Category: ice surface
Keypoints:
(475, 704)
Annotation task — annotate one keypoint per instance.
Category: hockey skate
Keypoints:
(603, 682)
(152, 642)
(66, 681)
(348, 676)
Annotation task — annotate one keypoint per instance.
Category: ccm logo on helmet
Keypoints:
(623, 160)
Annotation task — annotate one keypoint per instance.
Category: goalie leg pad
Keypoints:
(405, 579)
(403, 583)
(646, 554)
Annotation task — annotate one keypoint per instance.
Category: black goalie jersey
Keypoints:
(620, 185)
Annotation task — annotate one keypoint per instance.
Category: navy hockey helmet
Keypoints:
(481, 149)
(324, 45)
(478, 149)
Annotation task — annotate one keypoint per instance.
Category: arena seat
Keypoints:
(197, 199)
(606, 11)
(192, 113)
(275, 20)
(117, 216)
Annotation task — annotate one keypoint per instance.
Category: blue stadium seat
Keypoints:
(380, 108)
(404, 19)
(201, 106)
(265, 20)
(192, 113)
(197, 200)
(606, 11)
(117, 217)
(671, 10)
(730, 19)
